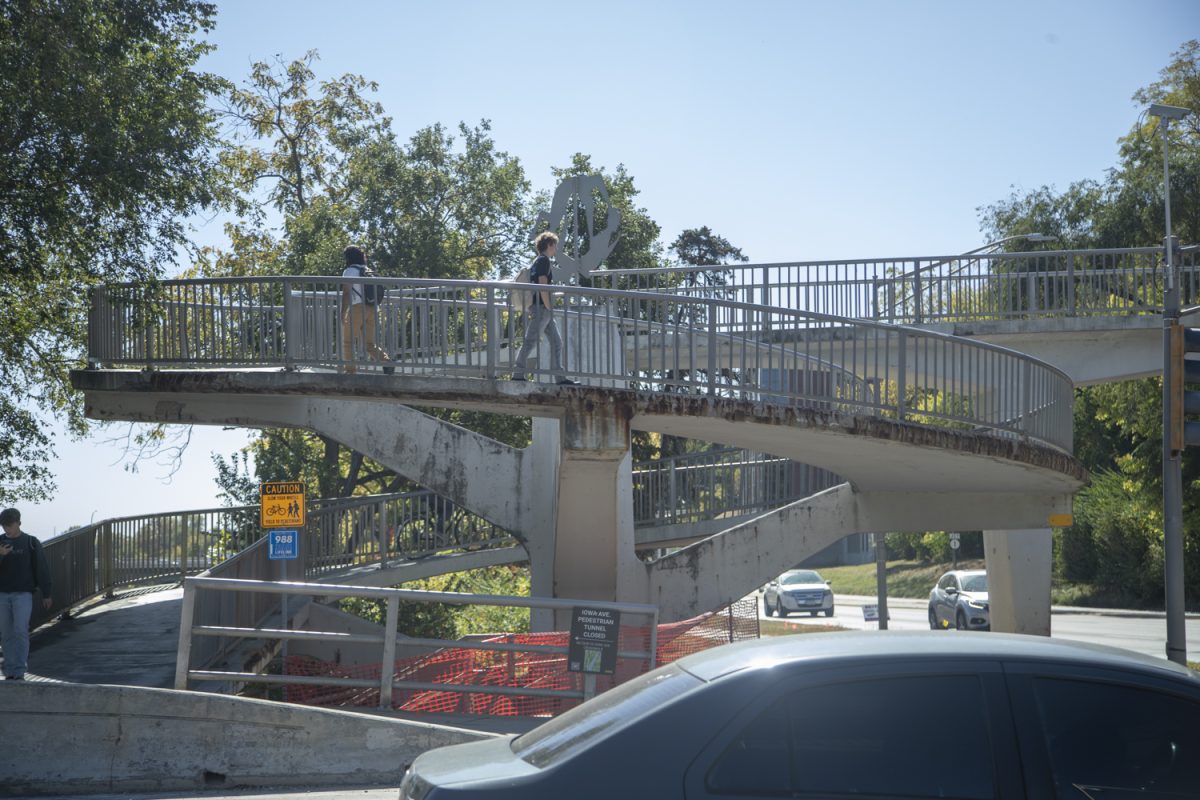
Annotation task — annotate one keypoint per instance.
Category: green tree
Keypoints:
(106, 147)
(322, 158)
(1116, 541)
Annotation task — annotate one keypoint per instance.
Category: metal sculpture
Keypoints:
(580, 251)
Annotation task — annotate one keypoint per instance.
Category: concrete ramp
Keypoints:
(74, 738)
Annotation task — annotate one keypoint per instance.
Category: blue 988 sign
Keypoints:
(283, 545)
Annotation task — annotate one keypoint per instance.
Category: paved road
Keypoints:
(1141, 632)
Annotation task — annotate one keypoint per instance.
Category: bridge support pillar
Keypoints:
(1019, 564)
(593, 545)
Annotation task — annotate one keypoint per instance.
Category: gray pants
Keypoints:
(540, 321)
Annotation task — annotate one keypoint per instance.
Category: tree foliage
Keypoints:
(1116, 541)
(106, 146)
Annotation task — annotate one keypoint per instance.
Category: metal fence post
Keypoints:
(917, 292)
(1026, 396)
(1070, 284)
(183, 655)
(182, 539)
(1031, 289)
(387, 668)
(292, 327)
(493, 335)
(712, 347)
(902, 376)
(106, 554)
(672, 492)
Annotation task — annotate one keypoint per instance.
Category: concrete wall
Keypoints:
(73, 738)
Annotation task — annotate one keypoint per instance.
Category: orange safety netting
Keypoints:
(463, 666)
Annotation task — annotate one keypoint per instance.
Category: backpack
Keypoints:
(519, 298)
(372, 293)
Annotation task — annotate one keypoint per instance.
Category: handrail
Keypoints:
(921, 289)
(287, 322)
(190, 627)
(676, 489)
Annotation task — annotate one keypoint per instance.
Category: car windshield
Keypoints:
(974, 583)
(801, 576)
(605, 714)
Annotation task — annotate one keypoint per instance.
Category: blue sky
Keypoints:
(798, 130)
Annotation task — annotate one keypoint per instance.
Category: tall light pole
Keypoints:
(1172, 460)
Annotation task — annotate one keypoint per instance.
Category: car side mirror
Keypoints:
(829, 583)
(951, 590)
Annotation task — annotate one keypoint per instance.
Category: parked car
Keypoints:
(798, 590)
(863, 714)
(960, 600)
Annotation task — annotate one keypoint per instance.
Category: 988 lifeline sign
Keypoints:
(281, 504)
(593, 643)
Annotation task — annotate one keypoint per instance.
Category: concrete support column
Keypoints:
(1019, 563)
(593, 534)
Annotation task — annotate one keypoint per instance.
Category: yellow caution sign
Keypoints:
(1061, 520)
(281, 504)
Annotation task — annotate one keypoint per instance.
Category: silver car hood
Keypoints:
(978, 597)
(802, 587)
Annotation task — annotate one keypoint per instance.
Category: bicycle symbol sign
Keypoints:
(281, 504)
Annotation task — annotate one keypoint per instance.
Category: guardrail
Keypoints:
(918, 290)
(378, 529)
(645, 341)
(341, 533)
(725, 482)
(195, 624)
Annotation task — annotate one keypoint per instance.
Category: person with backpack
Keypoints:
(359, 311)
(540, 317)
(23, 569)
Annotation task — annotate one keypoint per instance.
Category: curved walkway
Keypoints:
(929, 429)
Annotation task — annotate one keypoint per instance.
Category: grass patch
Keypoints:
(1194, 665)
(915, 579)
(904, 578)
(774, 627)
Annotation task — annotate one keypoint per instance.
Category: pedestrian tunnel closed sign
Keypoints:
(281, 504)
(593, 644)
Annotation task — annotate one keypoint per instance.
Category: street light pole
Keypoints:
(1172, 460)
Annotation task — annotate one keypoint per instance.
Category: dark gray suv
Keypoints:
(863, 715)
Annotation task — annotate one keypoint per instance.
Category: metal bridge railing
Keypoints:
(155, 548)
(917, 290)
(648, 342)
(200, 621)
(719, 483)
(379, 529)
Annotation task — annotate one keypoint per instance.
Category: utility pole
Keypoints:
(1174, 434)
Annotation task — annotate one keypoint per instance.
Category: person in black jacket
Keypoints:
(23, 569)
(541, 320)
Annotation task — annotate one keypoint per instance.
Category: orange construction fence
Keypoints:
(456, 665)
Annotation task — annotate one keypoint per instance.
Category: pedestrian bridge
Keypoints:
(884, 373)
(842, 397)
(928, 431)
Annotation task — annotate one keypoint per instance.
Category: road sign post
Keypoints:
(954, 545)
(281, 511)
(283, 546)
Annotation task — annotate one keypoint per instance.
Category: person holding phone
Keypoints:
(23, 570)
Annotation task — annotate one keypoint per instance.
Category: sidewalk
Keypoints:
(921, 603)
